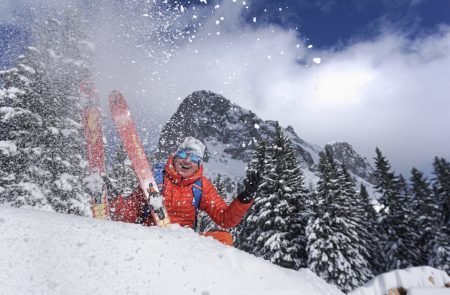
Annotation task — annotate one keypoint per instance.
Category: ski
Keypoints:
(93, 134)
(133, 146)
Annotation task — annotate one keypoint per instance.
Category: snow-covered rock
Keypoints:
(409, 278)
(48, 253)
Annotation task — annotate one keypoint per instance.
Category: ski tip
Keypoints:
(87, 87)
(116, 97)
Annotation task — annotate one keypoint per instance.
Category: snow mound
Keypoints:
(421, 276)
(48, 253)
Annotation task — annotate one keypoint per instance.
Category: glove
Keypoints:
(251, 184)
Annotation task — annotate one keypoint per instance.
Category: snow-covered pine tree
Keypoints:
(426, 217)
(246, 232)
(386, 182)
(357, 214)
(122, 174)
(371, 235)
(393, 220)
(440, 256)
(441, 187)
(21, 122)
(333, 248)
(402, 229)
(281, 205)
(51, 175)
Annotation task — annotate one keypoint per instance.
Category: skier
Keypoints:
(182, 175)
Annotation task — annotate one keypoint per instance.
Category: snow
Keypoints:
(27, 69)
(63, 183)
(9, 113)
(94, 182)
(49, 253)
(429, 291)
(413, 277)
(8, 148)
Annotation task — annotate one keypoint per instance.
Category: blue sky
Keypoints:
(331, 23)
(372, 73)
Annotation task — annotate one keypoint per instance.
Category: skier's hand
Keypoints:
(251, 184)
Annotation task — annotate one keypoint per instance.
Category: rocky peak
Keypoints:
(358, 165)
(232, 133)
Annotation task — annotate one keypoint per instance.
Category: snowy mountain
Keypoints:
(49, 253)
(231, 133)
(358, 165)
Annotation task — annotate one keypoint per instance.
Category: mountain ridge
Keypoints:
(231, 134)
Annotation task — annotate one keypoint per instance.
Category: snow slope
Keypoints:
(48, 253)
(430, 279)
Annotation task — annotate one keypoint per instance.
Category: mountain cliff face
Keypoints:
(231, 134)
(357, 164)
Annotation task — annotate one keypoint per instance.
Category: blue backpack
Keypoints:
(158, 175)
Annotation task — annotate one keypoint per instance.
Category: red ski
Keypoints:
(133, 146)
(93, 133)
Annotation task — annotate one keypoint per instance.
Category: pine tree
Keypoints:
(122, 174)
(386, 182)
(440, 255)
(441, 187)
(334, 249)
(427, 218)
(49, 164)
(247, 231)
(274, 227)
(280, 240)
(395, 214)
(22, 128)
(370, 235)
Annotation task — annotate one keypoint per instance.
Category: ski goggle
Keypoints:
(183, 154)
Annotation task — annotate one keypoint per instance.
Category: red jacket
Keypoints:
(178, 198)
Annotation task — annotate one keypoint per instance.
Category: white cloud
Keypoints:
(389, 92)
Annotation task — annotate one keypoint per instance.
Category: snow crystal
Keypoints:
(254, 19)
(204, 1)
(310, 46)
(317, 60)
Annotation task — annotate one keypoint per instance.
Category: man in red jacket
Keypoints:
(183, 169)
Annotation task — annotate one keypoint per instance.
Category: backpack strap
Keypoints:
(197, 192)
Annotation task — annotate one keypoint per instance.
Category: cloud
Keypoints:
(389, 92)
